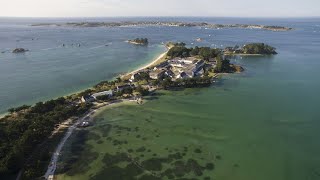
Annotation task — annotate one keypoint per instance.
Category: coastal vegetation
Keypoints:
(206, 53)
(26, 129)
(203, 52)
(258, 48)
(195, 82)
(20, 108)
(251, 48)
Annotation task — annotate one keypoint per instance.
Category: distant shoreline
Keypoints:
(168, 24)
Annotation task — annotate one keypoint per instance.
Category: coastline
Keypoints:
(152, 63)
(2, 115)
(121, 74)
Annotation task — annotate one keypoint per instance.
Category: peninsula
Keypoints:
(33, 136)
(169, 24)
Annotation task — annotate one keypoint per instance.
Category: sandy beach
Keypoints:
(153, 63)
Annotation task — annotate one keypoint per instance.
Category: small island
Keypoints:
(30, 134)
(19, 50)
(139, 41)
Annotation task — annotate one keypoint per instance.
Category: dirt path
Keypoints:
(53, 163)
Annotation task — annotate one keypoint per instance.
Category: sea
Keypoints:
(261, 124)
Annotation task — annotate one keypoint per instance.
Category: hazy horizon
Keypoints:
(164, 8)
(98, 17)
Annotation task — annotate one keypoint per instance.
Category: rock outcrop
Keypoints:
(19, 50)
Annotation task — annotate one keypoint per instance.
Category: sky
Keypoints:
(111, 8)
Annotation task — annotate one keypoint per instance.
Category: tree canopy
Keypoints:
(258, 48)
(21, 134)
(204, 52)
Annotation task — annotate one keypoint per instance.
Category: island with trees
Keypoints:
(139, 41)
(30, 134)
(19, 50)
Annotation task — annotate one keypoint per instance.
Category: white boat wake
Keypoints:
(49, 49)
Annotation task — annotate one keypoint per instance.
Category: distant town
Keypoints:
(174, 24)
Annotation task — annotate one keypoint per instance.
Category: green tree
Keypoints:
(179, 51)
(205, 53)
(142, 91)
(118, 80)
(258, 48)
(195, 51)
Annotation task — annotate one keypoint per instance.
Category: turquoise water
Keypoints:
(261, 124)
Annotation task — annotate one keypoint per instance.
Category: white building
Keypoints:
(87, 99)
(190, 70)
(103, 93)
(157, 74)
(93, 97)
(133, 77)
